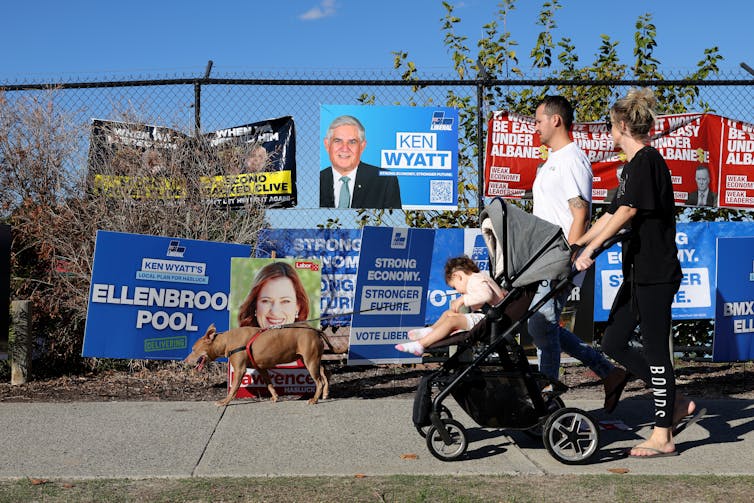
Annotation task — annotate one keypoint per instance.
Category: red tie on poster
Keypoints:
(711, 158)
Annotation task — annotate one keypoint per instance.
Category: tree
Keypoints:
(46, 196)
(496, 62)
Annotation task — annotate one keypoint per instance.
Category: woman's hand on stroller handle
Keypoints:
(583, 256)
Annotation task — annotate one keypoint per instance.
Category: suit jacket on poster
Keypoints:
(710, 200)
(370, 189)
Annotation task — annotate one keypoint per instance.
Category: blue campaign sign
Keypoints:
(391, 288)
(419, 145)
(338, 252)
(696, 252)
(151, 297)
(451, 243)
(734, 315)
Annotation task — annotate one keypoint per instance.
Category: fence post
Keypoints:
(480, 134)
(19, 349)
(198, 99)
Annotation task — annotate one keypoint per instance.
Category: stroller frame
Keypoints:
(570, 435)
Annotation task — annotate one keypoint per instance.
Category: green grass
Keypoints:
(568, 489)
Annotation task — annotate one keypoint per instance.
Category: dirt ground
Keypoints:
(176, 382)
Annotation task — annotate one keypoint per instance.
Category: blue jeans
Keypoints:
(550, 338)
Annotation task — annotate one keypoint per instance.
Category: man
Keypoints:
(562, 195)
(350, 183)
(702, 196)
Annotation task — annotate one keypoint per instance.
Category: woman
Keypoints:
(651, 270)
(277, 297)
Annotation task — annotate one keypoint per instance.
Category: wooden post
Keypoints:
(19, 349)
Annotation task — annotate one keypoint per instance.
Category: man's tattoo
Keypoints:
(577, 202)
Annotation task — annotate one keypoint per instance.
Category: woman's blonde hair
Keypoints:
(637, 111)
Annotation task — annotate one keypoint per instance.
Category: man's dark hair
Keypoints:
(558, 105)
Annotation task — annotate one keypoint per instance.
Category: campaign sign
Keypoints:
(697, 254)
(391, 288)
(338, 252)
(734, 315)
(272, 292)
(417, 145)
(451, 243)
(151, 297)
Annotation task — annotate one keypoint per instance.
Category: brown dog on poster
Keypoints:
(270, 347)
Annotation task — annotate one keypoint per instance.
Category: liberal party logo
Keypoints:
(440, 122)
(400, 239)
(479, 253)
(175, 249)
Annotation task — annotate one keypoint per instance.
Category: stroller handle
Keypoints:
(609, 242)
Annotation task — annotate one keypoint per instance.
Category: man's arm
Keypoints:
(580, 211)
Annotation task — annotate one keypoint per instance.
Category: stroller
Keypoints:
(508, 394)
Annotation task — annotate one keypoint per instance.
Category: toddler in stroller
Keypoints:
(477, 289)
(507, 394)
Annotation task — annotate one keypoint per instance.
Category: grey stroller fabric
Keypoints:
(513, 237)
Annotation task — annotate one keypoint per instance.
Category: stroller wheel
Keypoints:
(571, 436)
(444, 414)
(553, 404)
(457, 445)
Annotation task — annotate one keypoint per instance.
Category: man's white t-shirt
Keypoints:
(566, 174)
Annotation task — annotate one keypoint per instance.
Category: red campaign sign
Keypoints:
(513, 154)
(707, 155)
(736, 164)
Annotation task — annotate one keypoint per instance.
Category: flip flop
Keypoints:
(682, 425)
(657, 453)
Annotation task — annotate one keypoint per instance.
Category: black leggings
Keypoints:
(653, 364)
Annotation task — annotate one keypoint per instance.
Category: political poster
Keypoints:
(257, 163)
(451, 243)
(140, 161)
(235, 166)
(736, 164)
(152, 297)
(407, 159)
(274, 292)
(391, 291)
(695, 298)
(734, 314)
(337, 250)
(707, 155)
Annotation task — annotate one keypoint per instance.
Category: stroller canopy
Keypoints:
(523, 248)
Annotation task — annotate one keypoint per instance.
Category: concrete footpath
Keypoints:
(336, 437)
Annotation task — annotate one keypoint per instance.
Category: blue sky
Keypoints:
(53, 40)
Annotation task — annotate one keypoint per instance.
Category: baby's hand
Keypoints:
(456, 305)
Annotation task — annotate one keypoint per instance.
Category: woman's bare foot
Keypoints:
(659, 444)
(684, 406)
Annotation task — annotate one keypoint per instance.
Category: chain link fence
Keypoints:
(199, 104)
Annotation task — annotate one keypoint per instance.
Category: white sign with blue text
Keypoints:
(151, 297)
(391, 290)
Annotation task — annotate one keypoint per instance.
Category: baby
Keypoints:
(477, 289)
